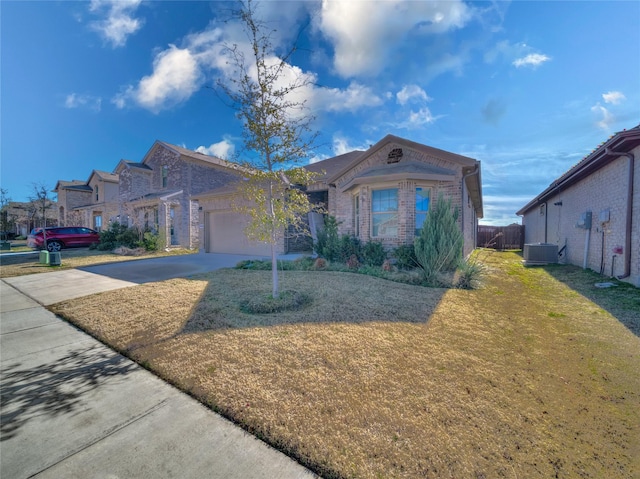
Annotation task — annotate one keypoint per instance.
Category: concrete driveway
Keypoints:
(73, 408)
(51, 288)
(160, 269)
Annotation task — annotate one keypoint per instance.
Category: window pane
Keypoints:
(384, 200)
(384, 212)
(420, 217)
(422, 199)
(385, 224)
(422, 207)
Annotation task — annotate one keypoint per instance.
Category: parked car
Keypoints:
(63, 237)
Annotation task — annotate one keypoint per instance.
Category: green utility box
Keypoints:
(5, 246)
(44, 257)
(54, 259)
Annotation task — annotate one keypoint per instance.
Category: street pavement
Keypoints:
(73, 408)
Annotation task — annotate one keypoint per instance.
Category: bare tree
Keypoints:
(4, 213)
(265, 91)
(42, 203)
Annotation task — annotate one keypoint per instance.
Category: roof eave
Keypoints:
(626, 139)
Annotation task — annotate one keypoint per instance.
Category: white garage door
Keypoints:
(226, 235)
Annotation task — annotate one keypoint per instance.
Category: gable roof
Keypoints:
(71, 185)
(193, 155)
(429, 150)
(470, 168)
(621, 142)
(104, 176)
(130, 164)
(329, 167)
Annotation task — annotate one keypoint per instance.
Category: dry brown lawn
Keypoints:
(523, 378)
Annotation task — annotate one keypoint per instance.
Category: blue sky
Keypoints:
(528, 88)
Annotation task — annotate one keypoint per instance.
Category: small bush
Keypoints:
(373, 253)
(353, 262)
(349, 246)
(304, 263)
(439, 246)
(469, 274)
(405, 256)
(257, 265)
(320, 264)
(328, 242)
(120, 235)
(150, 241)
(266, 304)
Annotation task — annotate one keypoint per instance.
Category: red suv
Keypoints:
(63, 237)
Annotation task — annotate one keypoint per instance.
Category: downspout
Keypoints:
(471, 173)
(546, 215)
(629, 222)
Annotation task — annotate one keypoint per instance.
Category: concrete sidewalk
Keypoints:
(73, 408)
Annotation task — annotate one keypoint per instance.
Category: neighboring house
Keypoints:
(159, 193)
(92, 203)
(594, 210)
(24, 216)
(385, 192)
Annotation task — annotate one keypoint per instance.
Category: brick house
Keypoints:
(594, 210)
(385, 192)
(22, 217)
(90, 203)
(159, 192)
(382, 194)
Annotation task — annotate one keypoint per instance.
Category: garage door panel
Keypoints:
(226, 235)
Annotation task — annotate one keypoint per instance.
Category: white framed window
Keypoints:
(423, 199)
(165, 175)
(384, 213)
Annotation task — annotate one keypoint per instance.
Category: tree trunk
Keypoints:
(274, 260)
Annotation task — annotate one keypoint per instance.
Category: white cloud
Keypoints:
(419, 118)
(606, 118)
(507, 50)
(341, 146)
(317, 158)
(410, 92)
(176, 76)
(613, 97)
(365, 33)
(354, 97)
(533, 60)
(119, 23)
(223, 149)
(179, 72)
(75, 100)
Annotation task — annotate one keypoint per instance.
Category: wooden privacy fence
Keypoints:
(501, 237)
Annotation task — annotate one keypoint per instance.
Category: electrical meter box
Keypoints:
(604, 216)
(585, 221)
